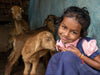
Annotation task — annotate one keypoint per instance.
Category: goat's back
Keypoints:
(34, 45)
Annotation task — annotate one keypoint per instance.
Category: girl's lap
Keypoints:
(69, 60)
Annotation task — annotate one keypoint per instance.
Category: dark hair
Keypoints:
(81, 15)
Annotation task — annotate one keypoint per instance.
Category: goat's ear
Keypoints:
(37, 43)
(9, 12)
(22, 10)
(45, 22)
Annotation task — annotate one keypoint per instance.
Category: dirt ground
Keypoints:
(17, 69)
(5, 51)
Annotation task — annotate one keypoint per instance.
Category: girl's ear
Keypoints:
(85, 33)
(80, 37)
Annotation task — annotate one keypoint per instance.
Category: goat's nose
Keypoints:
(19, 16)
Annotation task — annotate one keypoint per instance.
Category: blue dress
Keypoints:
(67, 63)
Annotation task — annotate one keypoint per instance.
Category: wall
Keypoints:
(40, 9)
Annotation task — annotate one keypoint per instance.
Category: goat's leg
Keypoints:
(27, 68)
(14, 56)
(47, 57)
(34, 67)
(52, 53)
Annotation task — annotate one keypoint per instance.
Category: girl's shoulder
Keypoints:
(89, 45)
(89, 38)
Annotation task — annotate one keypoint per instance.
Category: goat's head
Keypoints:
(50, 22)
(45, 40)
(16, 12)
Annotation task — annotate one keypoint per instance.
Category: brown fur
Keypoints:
(18, 42)
(20, 25)
(33, 47)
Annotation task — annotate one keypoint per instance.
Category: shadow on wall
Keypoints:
(39, 9)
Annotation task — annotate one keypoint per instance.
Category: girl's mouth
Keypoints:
(65, 39)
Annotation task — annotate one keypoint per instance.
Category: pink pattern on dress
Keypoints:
(89, 47)
(67, 45)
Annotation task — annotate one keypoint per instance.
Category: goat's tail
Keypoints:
(13, 57)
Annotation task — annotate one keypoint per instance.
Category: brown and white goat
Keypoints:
(34, 48)
(20, 25)
(18, 42)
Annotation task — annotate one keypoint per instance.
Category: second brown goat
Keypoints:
(34, 48)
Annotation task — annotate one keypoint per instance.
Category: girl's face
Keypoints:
(69, 30)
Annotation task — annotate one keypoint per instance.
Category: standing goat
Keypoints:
(18, 41)
(34, 48)
(20, 25)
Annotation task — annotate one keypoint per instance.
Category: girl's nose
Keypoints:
(66, 33)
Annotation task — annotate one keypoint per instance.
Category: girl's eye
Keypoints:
(64, 27)
(74, 32)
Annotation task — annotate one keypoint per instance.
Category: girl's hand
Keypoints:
(74, 50)
(59, 48)
(95, 62)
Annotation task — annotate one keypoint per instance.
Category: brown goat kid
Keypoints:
(34, 48)
(20, 25)
(18, 42)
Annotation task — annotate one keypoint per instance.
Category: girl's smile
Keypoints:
(69, 30)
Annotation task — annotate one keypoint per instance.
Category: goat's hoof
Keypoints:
(33, 74)
(25, 74)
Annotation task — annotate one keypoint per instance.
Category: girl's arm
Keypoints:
(95, 63)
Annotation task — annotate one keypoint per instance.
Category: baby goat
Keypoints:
(20, 25)
(34, 48)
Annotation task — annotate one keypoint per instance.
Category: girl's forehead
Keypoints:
(71, 22)
(70, 19)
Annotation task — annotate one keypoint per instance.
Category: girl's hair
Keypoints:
(81, 15)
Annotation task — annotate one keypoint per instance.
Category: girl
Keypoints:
(77, 54)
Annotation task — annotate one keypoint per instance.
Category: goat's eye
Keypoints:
(47, 39)
(49, 19)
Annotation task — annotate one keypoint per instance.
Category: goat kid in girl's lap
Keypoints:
(72, 32)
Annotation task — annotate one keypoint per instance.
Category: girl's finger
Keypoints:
(65, 49)
(73, 47)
